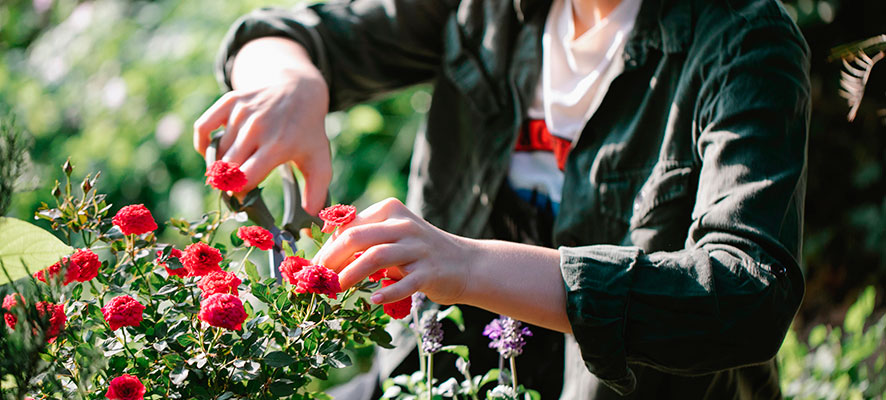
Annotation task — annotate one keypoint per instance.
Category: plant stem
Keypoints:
(217, 223)
(513, 372)
(310, 309)
(101, 296)
(417, 330)
(430, 376)
(124, 343)
(245, 258)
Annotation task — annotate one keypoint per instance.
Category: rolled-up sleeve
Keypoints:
(363, 48)
(728, 297)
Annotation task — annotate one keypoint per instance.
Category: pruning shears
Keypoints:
(294, 217)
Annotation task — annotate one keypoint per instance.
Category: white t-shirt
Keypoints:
(576, 73)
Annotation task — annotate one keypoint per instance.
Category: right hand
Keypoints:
(274, 124)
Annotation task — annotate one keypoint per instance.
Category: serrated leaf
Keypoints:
(187, 339)
(24, 245)
(252, 271)
(460, 350)
(339, 360)
(170, 288)
(453, 314)
(281, 388)
(278, 359)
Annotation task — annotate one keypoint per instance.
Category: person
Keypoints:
(645, 161)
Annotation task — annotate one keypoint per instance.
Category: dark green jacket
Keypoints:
(681, 216)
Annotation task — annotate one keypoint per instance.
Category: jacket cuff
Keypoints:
(598, 281)
(297, 25)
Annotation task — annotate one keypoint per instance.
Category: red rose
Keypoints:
(72, 271)
(88, 264)
(219, 282)
(225, 176)
(398, 309)
(126, 387)
(10, 301)
(256, 236)
(291, 266)
(336, 216)
(57, 318)
(123, 311)
(201, 259)
(135, 219)
(177, 254)
(223, 310)
(318, 279)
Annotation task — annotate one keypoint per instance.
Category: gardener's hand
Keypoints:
(423, 257)
(274, 115)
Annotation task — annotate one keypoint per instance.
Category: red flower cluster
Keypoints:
(135, 219)
(10, 301)
(177, 254)
(225, 176)
(126, 387)
(256, 236)
(336, 216)
(398, 309)
(219, 282)
(57, 318)
(223, 310)
(201, 259)
(72, 271)
(82, 267)
(123, 311)
(87, 263)
(317, 279)
(291, 266)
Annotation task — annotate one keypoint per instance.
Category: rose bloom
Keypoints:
(177, 254)
(72, 271)
(123, 311)
(10, 301)
(88, 264)
(201, 259)
(126, 387)
(225, 176)
(318, 279)
(336, 216)
(57, 318)
(135, 219)
(256, 236)
(291, 266)
(400, 308)
(219, 282)
(223, 310)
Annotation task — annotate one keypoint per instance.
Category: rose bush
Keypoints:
(122, 316)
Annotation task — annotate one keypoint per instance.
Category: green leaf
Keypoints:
(858, 313)
(281, 388)
(381, 337)
(287, 249)
(278, 359)
(460, 350)
(187, 339)
(252, 272)
(339, 360)
(490, 376)
(24, 246)
(235, 240)
(453, 313)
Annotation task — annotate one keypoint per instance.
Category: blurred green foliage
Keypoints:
(116, 85)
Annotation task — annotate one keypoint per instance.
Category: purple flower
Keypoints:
(431, 333)
(506, 335)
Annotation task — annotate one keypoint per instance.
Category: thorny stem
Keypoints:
(130, 246)
(310, 309)
(124, 343)
(100, 295)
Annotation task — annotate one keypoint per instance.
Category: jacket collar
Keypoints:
(665, 25)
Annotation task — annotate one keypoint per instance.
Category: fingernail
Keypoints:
(376, 298)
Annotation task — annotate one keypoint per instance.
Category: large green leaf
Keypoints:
(23, 244)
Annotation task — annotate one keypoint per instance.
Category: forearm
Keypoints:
(517, 280)
(269, 61)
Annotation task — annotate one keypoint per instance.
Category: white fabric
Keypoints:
(576, 72)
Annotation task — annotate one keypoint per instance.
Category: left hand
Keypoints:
(425, 258)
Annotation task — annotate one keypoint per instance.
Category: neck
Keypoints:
(588, 13)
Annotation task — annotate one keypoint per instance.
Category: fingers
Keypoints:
(376, 258)
(403, 288)
(244, 141)
(213, 118)
(335, 253)
(257, 167)
(318, 174)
